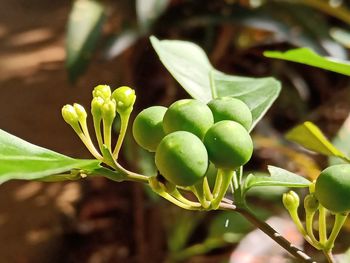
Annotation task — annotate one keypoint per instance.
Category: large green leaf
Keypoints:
(279, 177)
(22, 160)
(83, 31)
(308, 57)
(311, 137)
(190, 66)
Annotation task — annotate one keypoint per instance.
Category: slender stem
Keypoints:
(124, 120)
(225, 183)
(88, 144)
(97, 127)
(197, 189)
(206, 188)
(184, 200)
(218, 182)
(329, 256)
(107, 133)
(295, 217)
(268, 230)
(322, 225)
(177, 202)
(338, 224)
(310, 232)
(235, 181)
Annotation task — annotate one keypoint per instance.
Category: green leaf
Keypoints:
(83, 31)
(308, 57)
(311, 137)
(190, 66)
(279, 177)
(257, 93)
(342, 142)
(22, 160)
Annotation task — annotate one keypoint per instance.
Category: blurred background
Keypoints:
(54, 52)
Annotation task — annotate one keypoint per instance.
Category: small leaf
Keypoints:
(279, 177)
(308, 57)
(121, 42)
(342, 142)
(22, 160)
(311, 137)
(190, 66)
(257, 93)
(83, 31)
(342, 36)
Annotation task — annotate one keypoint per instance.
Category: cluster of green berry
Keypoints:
(190, 134)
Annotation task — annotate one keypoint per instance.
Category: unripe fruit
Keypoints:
(228, 108)
(181, 158)
(148, 127)
(228, 144)
(188, 115)
(333, 188)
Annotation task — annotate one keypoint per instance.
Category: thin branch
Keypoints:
(268, 230)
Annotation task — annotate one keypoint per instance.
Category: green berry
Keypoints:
(228, 108)
(148, 127)
(333, 188)
(188, 115)
(181, 158)
(229, 144)
(96, 107)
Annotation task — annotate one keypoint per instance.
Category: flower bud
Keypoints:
(69, 114)
(80, 110)
(311, 203)
(291, 200)
(125, 98)
(109, 110)
(103, 91)
(96, 107)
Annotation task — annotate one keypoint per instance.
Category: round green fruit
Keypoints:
(188, 115)
(181, 158)
(148, 127)
(333, 188)
(228, 144)
(228, 108)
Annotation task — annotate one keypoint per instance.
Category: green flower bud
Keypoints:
(109, 110)
(125, 98)
(291, 200)
(103, 91)
(80, 110)
(311, 203)
(69, 114)
(96, 107)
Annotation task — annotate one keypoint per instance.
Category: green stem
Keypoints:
(97, 127)
(88, 143)
(218, 181)
(225, 183)
(184, 200)
(338, 224)
(207, 191)
(295, 217)
(124, 120)
(177, 202)
(268, 230)
(310, 232)
(107, 133)
(322, 225)
(197, 189)
(329, 256)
